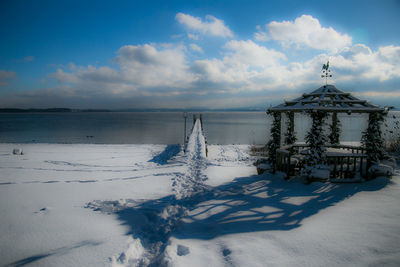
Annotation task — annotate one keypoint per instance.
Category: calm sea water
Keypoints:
(153, 127)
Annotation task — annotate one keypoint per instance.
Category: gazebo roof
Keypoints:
(327, 98)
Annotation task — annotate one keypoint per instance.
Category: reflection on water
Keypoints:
(156, 127)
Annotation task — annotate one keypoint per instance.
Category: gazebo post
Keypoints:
(372, 138)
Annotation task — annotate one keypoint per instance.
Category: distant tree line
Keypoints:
(44, 110)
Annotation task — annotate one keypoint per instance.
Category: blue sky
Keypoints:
(185, 54)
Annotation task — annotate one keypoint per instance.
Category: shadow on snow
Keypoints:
(58, 251)
(169, 152)
(247, 204)
(258, 203)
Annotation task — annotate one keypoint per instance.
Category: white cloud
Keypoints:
(245, 67)
(252, 54)
(148, 66)
(211, 25)
(193, 36)
(390, 54)
(196, 48)
(359, 63)
(379, 94)
(260, 35)
(143, 69)
(64, 77)
(305, 31)
(244, 62)
(99, 75)
(6, 76)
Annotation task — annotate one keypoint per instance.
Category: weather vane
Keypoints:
(326, 72)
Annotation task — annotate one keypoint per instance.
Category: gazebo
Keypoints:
(322, 156)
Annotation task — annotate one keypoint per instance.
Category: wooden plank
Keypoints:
(327, 94)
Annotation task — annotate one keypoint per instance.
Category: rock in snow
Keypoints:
(18, 151)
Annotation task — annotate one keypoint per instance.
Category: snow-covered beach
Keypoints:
(139, 205)
(199, 133)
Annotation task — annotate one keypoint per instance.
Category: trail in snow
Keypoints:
(160, 219)
(192, 180)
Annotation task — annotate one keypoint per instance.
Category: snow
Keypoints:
(139, 205)
(381, 170)
(319, 172)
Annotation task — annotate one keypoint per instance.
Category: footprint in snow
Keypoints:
(43, 210)
(226, 252)
(182, 250)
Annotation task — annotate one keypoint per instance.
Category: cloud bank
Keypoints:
(247, 72)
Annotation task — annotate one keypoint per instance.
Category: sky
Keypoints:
(195, 54)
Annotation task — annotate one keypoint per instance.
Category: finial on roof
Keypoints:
(326, 72)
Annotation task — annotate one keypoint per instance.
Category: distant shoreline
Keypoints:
(48, 110)
(69, 110)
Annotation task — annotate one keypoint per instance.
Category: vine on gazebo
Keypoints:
(372, 138)
(274, 142)
(290, 135)
(316, 140)
(334, 136)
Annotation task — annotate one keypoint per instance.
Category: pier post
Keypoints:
(184, 132)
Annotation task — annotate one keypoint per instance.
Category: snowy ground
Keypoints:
(139, 205)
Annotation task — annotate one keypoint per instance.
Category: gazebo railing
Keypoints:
(344, 161)
(283, 158)
(347, 148)
(347, 166)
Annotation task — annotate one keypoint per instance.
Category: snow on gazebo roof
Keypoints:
(327, 98)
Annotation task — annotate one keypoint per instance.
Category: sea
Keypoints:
(223, 128)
